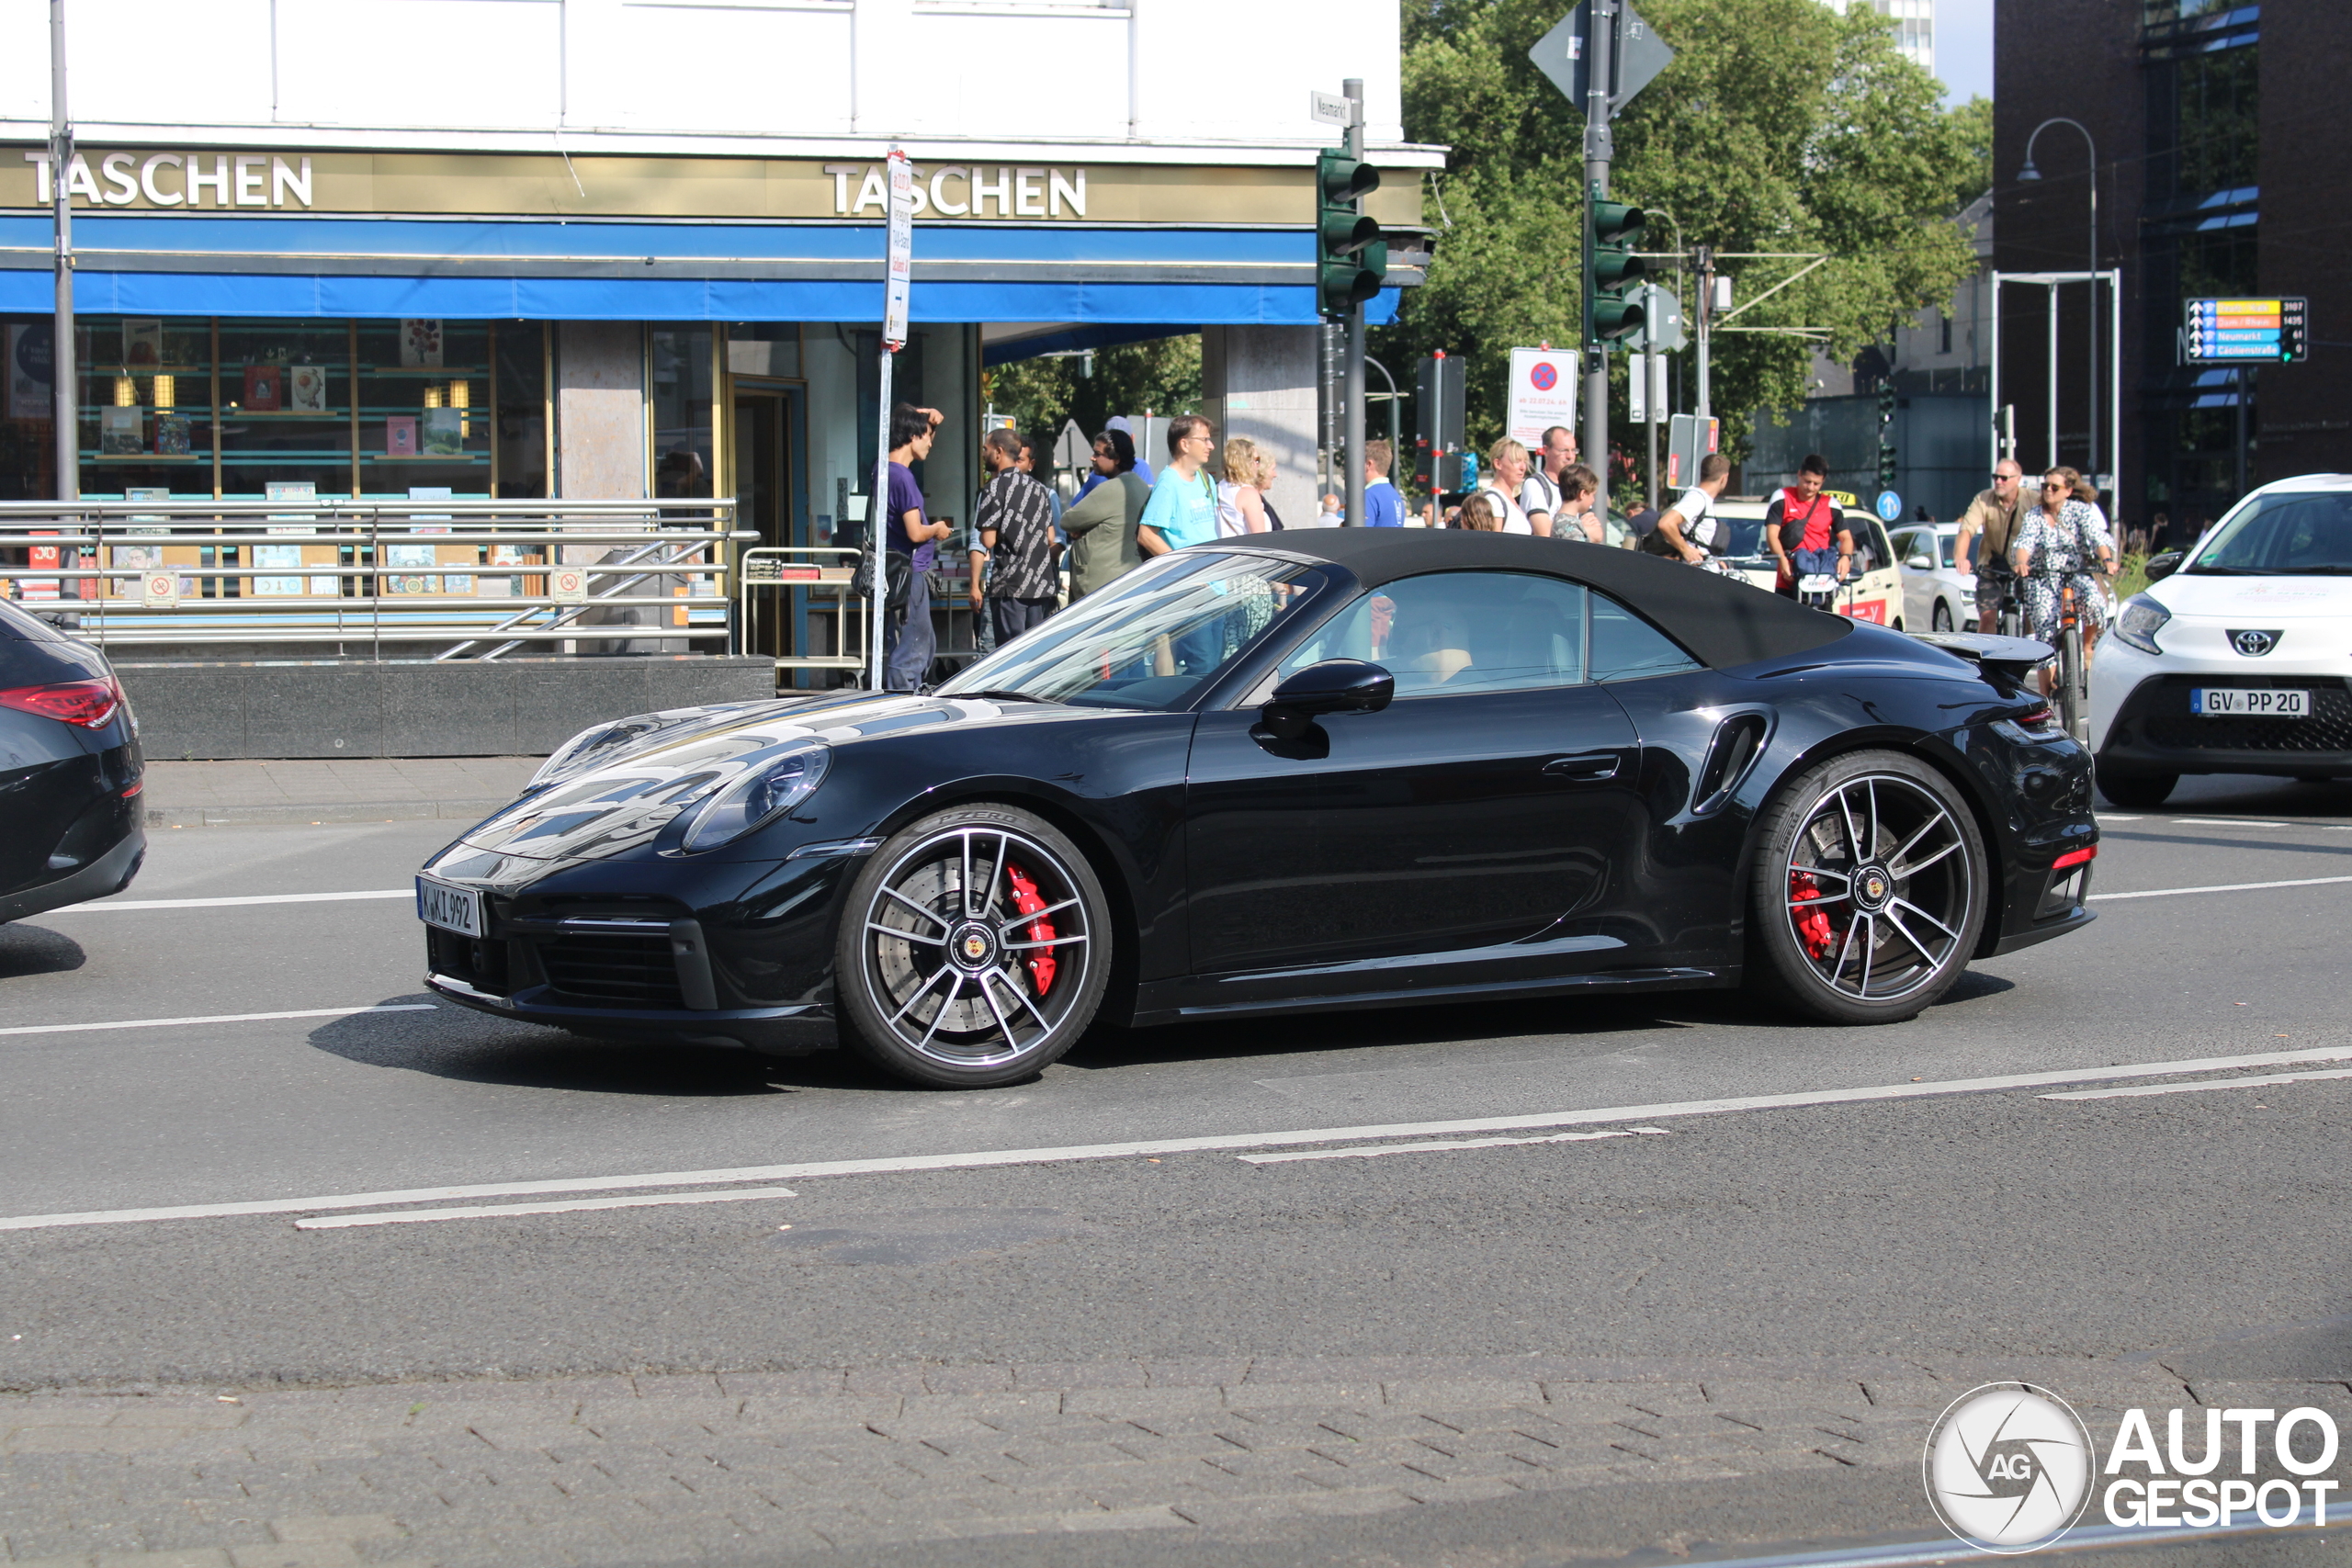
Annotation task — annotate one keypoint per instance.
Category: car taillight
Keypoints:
(86, 703)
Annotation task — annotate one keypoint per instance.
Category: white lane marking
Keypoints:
(2193, 1088)
(2106, 818)
(2224, 822)
(2224, 887)
(987, 1158)
(412, 1216)
(1368, 1151)
(221, 1017)
(99, 905)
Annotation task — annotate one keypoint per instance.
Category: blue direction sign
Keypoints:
(1890, 507)
(2242, 331)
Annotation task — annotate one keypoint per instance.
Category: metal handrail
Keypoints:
(364, 528)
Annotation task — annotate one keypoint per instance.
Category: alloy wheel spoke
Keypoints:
(1037, 915)
(998, 874)
(1002, 1022)
(945, 1002)
(1911, 843)
(1853, 837)
(1049, 942)
(1823, 870)
(1870, 942)
(1896, 921)
(908, 1006)
(966, 886)
(1869, 796)
(1824, 898)
(1020, 996)
(1914, 908)
(903, 934)
(935, 919)
(1918, 866)
(1838, 971)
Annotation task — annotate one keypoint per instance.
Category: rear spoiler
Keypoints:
(2015, 657)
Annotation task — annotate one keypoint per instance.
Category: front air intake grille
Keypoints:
(2159, 712)
(612, 969)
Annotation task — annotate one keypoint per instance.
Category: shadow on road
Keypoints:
(36, 950)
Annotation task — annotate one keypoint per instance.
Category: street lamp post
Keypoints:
(2030, 172)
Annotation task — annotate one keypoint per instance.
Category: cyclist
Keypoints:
(1993, 518)
(2063, 543)
(1802, 527)
(1689, 530)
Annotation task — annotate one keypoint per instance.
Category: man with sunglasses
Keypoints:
(1997, 514)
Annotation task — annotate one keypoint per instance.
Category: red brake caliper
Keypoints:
(1025, 901)
(1812, 925)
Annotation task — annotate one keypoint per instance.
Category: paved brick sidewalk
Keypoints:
(363, 789)
(727, 1467)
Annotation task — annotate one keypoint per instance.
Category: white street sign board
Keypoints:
(902, 250)
(1646, 387)
(567, 585)
(1542, 393)
(159, 588)
(1326, 108)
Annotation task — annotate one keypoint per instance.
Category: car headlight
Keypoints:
(2140, 620)
(769, 789)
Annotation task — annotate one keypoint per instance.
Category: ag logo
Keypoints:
(2009, 1467)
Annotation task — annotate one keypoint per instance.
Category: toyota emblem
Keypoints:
(2253, 644)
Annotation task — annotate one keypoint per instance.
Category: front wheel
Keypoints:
(1942, 620)
(973, 949)
(1870, 889)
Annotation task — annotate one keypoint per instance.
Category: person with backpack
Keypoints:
(1808, 533)
(1690, 530)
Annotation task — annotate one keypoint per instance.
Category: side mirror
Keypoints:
(1335, 685)
(1920, 563)
(2164, 566)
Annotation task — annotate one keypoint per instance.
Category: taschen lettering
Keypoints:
(1000, 191)
(241, 179)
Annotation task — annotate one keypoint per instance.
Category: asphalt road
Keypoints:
(2192, 1236)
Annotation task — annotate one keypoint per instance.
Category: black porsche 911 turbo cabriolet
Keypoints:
(1345, 768)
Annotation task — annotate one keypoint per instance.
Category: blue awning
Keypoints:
(504, 268)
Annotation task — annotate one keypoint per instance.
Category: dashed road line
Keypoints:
(2193, 1088)
(102, 906)
(1370, 1150)
(658, 1200)
(2225, 888)
(2226, 822)
(221, 1017)
(990, 1158)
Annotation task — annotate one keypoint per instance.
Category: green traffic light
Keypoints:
(1618, 223)
(1351, 255)
(1341, 179)
(1344, 232)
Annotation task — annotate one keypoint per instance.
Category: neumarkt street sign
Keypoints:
(1565, 51)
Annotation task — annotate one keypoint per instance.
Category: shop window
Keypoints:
(522, 392)
(423, 419)
(145, 406)
(680, 360)
(285, 390)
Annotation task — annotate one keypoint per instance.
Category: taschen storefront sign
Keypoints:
(208, 180)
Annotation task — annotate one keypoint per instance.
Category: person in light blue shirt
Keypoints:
(1383, 507)
(1183, 509)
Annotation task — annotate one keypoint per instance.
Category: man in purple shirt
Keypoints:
(909, 642)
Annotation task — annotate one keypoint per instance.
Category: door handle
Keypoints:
(1594, 767)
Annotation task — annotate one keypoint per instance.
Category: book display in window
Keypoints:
(400, 435)
(142, 344)
(265, 389)
(444, 433)
(306, 389)
(122, 432)
(419, 346)
(171, 434)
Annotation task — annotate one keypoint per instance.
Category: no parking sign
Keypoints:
(1543, 393)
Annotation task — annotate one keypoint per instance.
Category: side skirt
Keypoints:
(1167, 1001)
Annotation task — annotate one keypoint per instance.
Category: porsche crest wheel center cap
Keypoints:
(1874, 886)
(973, 946)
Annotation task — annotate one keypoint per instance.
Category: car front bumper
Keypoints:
(2140, 720)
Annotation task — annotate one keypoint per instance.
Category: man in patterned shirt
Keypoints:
(1014, 520)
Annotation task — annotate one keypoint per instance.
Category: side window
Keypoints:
(1461, 631)
(1626, 647)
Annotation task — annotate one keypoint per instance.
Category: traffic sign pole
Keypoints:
(898, 286)
(1351, 393)
(1599, 147)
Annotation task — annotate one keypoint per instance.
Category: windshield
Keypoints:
(2289, 534)
(1152, 641)
(1746, 535)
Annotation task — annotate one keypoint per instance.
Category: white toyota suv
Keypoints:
(2236, 658)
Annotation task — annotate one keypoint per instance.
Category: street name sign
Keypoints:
(1563, 56)
(2243, 332)
(902, 250)
(1328, 108)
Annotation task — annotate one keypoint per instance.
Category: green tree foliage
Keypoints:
(1781, 126)
(1162, 375)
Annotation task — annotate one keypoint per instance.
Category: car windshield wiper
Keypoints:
(999, 696)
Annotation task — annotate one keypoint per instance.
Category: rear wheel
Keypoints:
(973, 949)
(2136, 792)
(1941, 617)
(1870, 890)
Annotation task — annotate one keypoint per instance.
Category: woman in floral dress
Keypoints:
(2063, 541)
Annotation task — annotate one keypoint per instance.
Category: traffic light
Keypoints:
(1886, 437)
(1351, 257)
(1613, 274)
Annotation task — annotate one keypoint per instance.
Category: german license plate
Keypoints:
(452, 908)
(2249, 702)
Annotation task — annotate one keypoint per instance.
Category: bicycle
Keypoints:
(2073, 671)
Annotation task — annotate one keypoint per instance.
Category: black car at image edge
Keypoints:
(70, 771)
(1346, 768)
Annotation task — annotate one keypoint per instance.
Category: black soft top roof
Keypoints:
(1721, 621)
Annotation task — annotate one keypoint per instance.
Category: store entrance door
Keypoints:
(767, 499)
